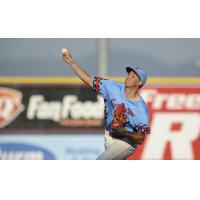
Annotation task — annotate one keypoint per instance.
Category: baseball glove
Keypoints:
(120, 117)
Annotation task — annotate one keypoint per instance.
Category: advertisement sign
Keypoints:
(51, 147)
(50, 107)
(175, 124)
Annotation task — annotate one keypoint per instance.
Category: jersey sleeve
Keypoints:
(143, 128)
(102, 86)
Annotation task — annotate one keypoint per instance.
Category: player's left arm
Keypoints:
(137, 137)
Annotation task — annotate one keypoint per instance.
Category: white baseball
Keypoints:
(64, 51)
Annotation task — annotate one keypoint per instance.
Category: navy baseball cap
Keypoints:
(140, 72)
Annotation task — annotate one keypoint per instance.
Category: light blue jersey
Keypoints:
(114, 94)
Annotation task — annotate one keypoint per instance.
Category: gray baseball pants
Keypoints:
(116, 149)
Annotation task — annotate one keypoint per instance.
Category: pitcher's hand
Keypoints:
(67, 56)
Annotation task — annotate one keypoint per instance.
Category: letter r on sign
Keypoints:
(179, 129)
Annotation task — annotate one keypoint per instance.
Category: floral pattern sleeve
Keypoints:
(100, 85)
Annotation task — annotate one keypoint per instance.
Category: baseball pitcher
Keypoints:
(126, 114)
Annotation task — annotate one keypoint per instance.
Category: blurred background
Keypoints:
(159, 57)
(47, 113)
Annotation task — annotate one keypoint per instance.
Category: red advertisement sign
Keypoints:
(175, 124)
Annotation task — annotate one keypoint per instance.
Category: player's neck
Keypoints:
(131, 93)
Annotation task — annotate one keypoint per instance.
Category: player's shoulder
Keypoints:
(142, 101)
(116, 85)
(143, 106)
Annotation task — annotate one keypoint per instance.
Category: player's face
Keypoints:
(132, 80)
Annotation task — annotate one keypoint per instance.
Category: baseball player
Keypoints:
(126, 114)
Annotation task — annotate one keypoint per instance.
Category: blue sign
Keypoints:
(21, 151)
(49, 147)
